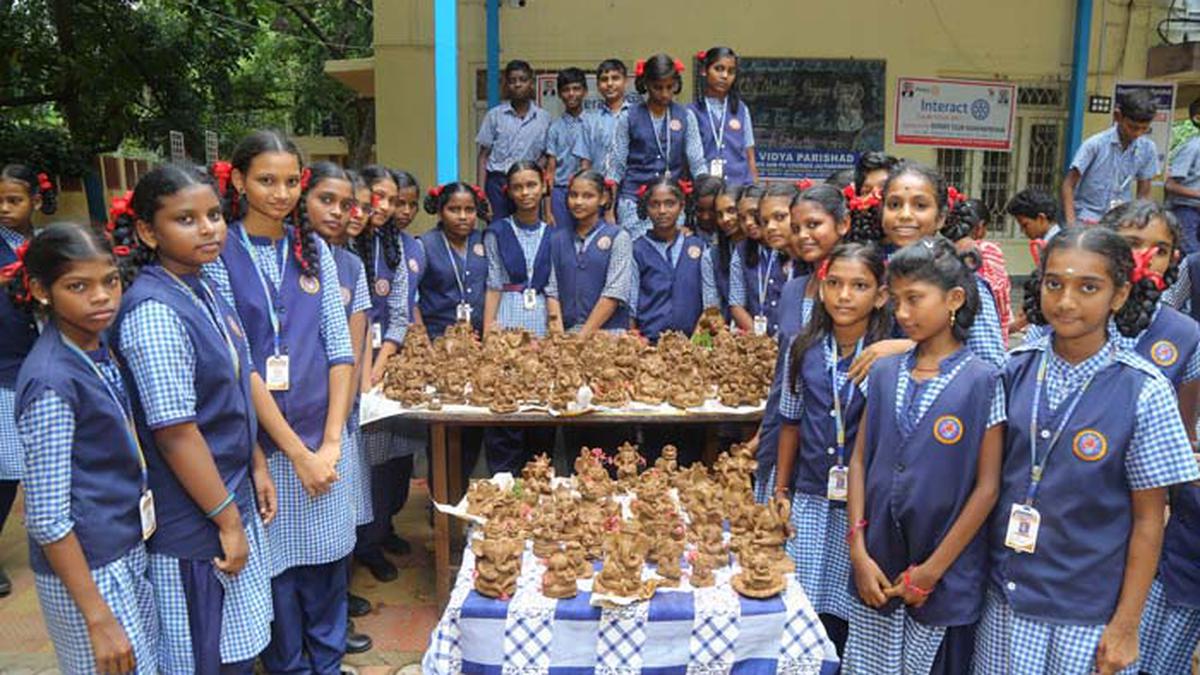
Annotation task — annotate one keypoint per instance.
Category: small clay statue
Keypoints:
(759, 578)
(668, 461)
(559, 579)
(497, 567)
(701, 571)
(579, 562)
(627, 461)
(621, 576)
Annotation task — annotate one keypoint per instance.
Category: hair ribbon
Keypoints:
(305, 178)
(686, 187)
(804, 184)
(15, 269)
(121, 206)
(823, 270)
(639, 68)
(44, 184)
(678, 66)
(222, 171)
(1141, 268)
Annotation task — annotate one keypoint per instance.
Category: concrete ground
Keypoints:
(404, 615)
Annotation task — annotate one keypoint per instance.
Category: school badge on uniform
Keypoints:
(735, 124)
(479, 250)
(947, 429)
(604, 243)
(310, 285)
(694, 252)
(382, 287)
(1090, 445)
(1164, 353)
(346, 295)
(413, 265)
(676, 125)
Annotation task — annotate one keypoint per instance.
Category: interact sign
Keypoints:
(966, 114)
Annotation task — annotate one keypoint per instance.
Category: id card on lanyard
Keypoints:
(664, 154)
(716, 166)
(383, 287)
(529, 295)
(837, 486)
(146, 501)
(764, 279)
(462, 311)
(277, 375)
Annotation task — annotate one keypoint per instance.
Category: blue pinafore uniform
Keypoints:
(723, 131)
(18, 332)
(668, 291)
(581, 275)
(655, 148)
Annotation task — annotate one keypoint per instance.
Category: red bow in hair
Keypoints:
(298, 248)
(849, 192)
(17, 269)
(702, 54)
(610, 184)
(864, 203)
(823, 270)
(222, 171)
(639, 68)
(641, 191)
(44, 184)
(1141, 268)
(122, 251)
(305, 178)
(435, 191)
(480, 194)
(1036, 246)
(953, 196)
(121, 206)
(803, 184)
(678, 66)
(686, 187)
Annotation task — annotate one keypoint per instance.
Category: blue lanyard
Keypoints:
(1037, 467)
(838, 420)
(462, 291)
(764, 276)
(211, 311)
(528, 262)
(130, 434)
(262, 279)
(375, 258)
(582, 246)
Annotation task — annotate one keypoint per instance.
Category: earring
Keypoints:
(953, 316)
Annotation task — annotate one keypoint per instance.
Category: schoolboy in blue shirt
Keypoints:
(595, 142)
(561, 141)
(1106, 163)
(1183, 185)
(512, 131)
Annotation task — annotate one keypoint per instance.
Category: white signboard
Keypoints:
(969, 114)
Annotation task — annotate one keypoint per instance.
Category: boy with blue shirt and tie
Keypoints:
(1183, 185)
(510, 132)
(561, 141)
(1107, 163)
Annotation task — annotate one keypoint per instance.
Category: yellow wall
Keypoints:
(1019, 40)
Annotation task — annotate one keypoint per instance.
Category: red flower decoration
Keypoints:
(639, 68)
(436, 191)
(1141, 268)
(686, 187)
(222, 171)
(305, 178)
(702, 55)
(804, 183)
(678, 66)
(44, 184)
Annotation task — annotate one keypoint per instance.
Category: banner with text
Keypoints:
(965, 114)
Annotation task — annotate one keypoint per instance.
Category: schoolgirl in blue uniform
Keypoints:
(754, 288)
(518, 254)
(590, 263)
(718, 258)
(667, 287)
(394, 262)
(923, 477)
(725, 127)
(820, 220)
(327, 203)
(283, 283)
(87, 502)
(455, 279)
(22, 191)
(850, 311)
(916, 204)
(1094, 439)
(184, 353)
(658, 137)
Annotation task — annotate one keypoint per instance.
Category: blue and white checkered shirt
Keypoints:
(1179, 294)
(398, 318)
(1185, 170)
(512, 313)
(1108, 172)
(711, 296)
(927, 391)
(595, 143)
(791, 403)
(11, 452)
(159, 353)
(47, 429)
(334, 331)
(561, 140)
(512, 138)
(984, 338)
(738, 293)
(620, 264)
(618, 160)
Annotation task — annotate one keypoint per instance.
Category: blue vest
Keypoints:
(721, 277)
(414, 260)
(791, 321)
(224, 415)
(1075, 574)
(306, 402)
(348, 267)
(668, 299)
(1169, 342)
(512, 257)
(733, 140)
(645, 162)
(1192, 262)
(818, 431)
(105, 473)
(780, 271)
(581, 278)
(1178, 569)
(439, 286)
(18, 330)
(918, 483)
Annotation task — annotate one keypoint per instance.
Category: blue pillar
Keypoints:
(493, 53)
(445, 72)
(1079, 71)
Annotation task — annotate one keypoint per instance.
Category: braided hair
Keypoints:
(36, 184)
(373, 175)
(724, 243)
(1134, 316)
(437, 198)
(1139, 214)
(142, 204)
(754, 192)
(935, 260)
(304, 248)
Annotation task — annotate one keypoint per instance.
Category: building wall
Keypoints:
(1019, 40)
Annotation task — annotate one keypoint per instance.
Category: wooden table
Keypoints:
(446, 471)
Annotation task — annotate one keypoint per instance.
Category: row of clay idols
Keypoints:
(678, 516)
(512, 368)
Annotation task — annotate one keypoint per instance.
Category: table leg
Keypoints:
(454, 477)
(439, 483)
(711, 443)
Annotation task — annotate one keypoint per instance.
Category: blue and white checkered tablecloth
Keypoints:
(707, 630)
